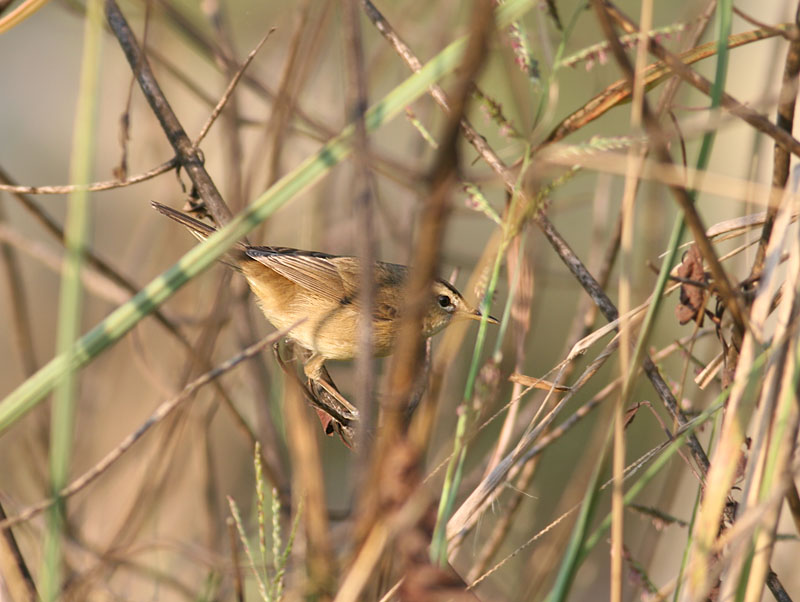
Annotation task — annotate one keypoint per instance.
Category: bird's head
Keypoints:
(446, 305)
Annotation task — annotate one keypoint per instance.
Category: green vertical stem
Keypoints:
(69, 311)
(455, 468)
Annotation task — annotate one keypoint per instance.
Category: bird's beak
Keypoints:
(477, 315)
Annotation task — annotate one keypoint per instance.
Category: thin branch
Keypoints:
(16, 578)
(285, 101)
(94, 187)
(363, 206)
(20, 318)
(160, 413)
(231, 87)
(780, 170)
(187, 154)
(188, 29)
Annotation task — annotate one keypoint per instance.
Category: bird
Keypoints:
(322, 290)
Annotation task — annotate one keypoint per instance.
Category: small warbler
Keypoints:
(291, 285)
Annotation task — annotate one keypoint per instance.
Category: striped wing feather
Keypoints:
(335, 278)
(316, 272)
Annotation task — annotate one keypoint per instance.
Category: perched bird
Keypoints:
(291, 285)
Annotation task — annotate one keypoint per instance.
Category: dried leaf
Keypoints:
(630, 413)
(692, 297)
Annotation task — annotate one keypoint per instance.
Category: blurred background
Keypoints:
(153, 526)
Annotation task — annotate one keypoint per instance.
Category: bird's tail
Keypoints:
(196, 227)
(201, 231)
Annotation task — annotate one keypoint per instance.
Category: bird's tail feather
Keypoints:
(202, 231)
(196, 227)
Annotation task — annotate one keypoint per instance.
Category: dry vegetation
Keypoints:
(638, 242)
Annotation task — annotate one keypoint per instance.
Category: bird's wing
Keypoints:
(335, 277)
(316, 272)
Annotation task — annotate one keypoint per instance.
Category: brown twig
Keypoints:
(581, 412)
(436, 92)
(4, 4)
(285, 99)
(20, 319)
(94, 187)
(387, 165)
(237, 75)
(312, 127)
(196, 88)
(503, 526)
(610, 312)
(363, 201)
(520, 274)
(187, 154)
(547, 440)
(16, 578)
(228, 108)
(581, 326)
(160, 413)
(408, 355)
(780, 170)
(95, 282)
(121, 170)
(620, 91)
(630, 470)
(207, 46)
(258, 379)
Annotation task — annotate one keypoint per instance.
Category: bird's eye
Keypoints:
(444, 302)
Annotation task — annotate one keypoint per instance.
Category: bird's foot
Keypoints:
(336, 414)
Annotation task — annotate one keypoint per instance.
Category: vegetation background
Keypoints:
(156, 524)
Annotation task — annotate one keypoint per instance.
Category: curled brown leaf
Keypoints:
(692, 297)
